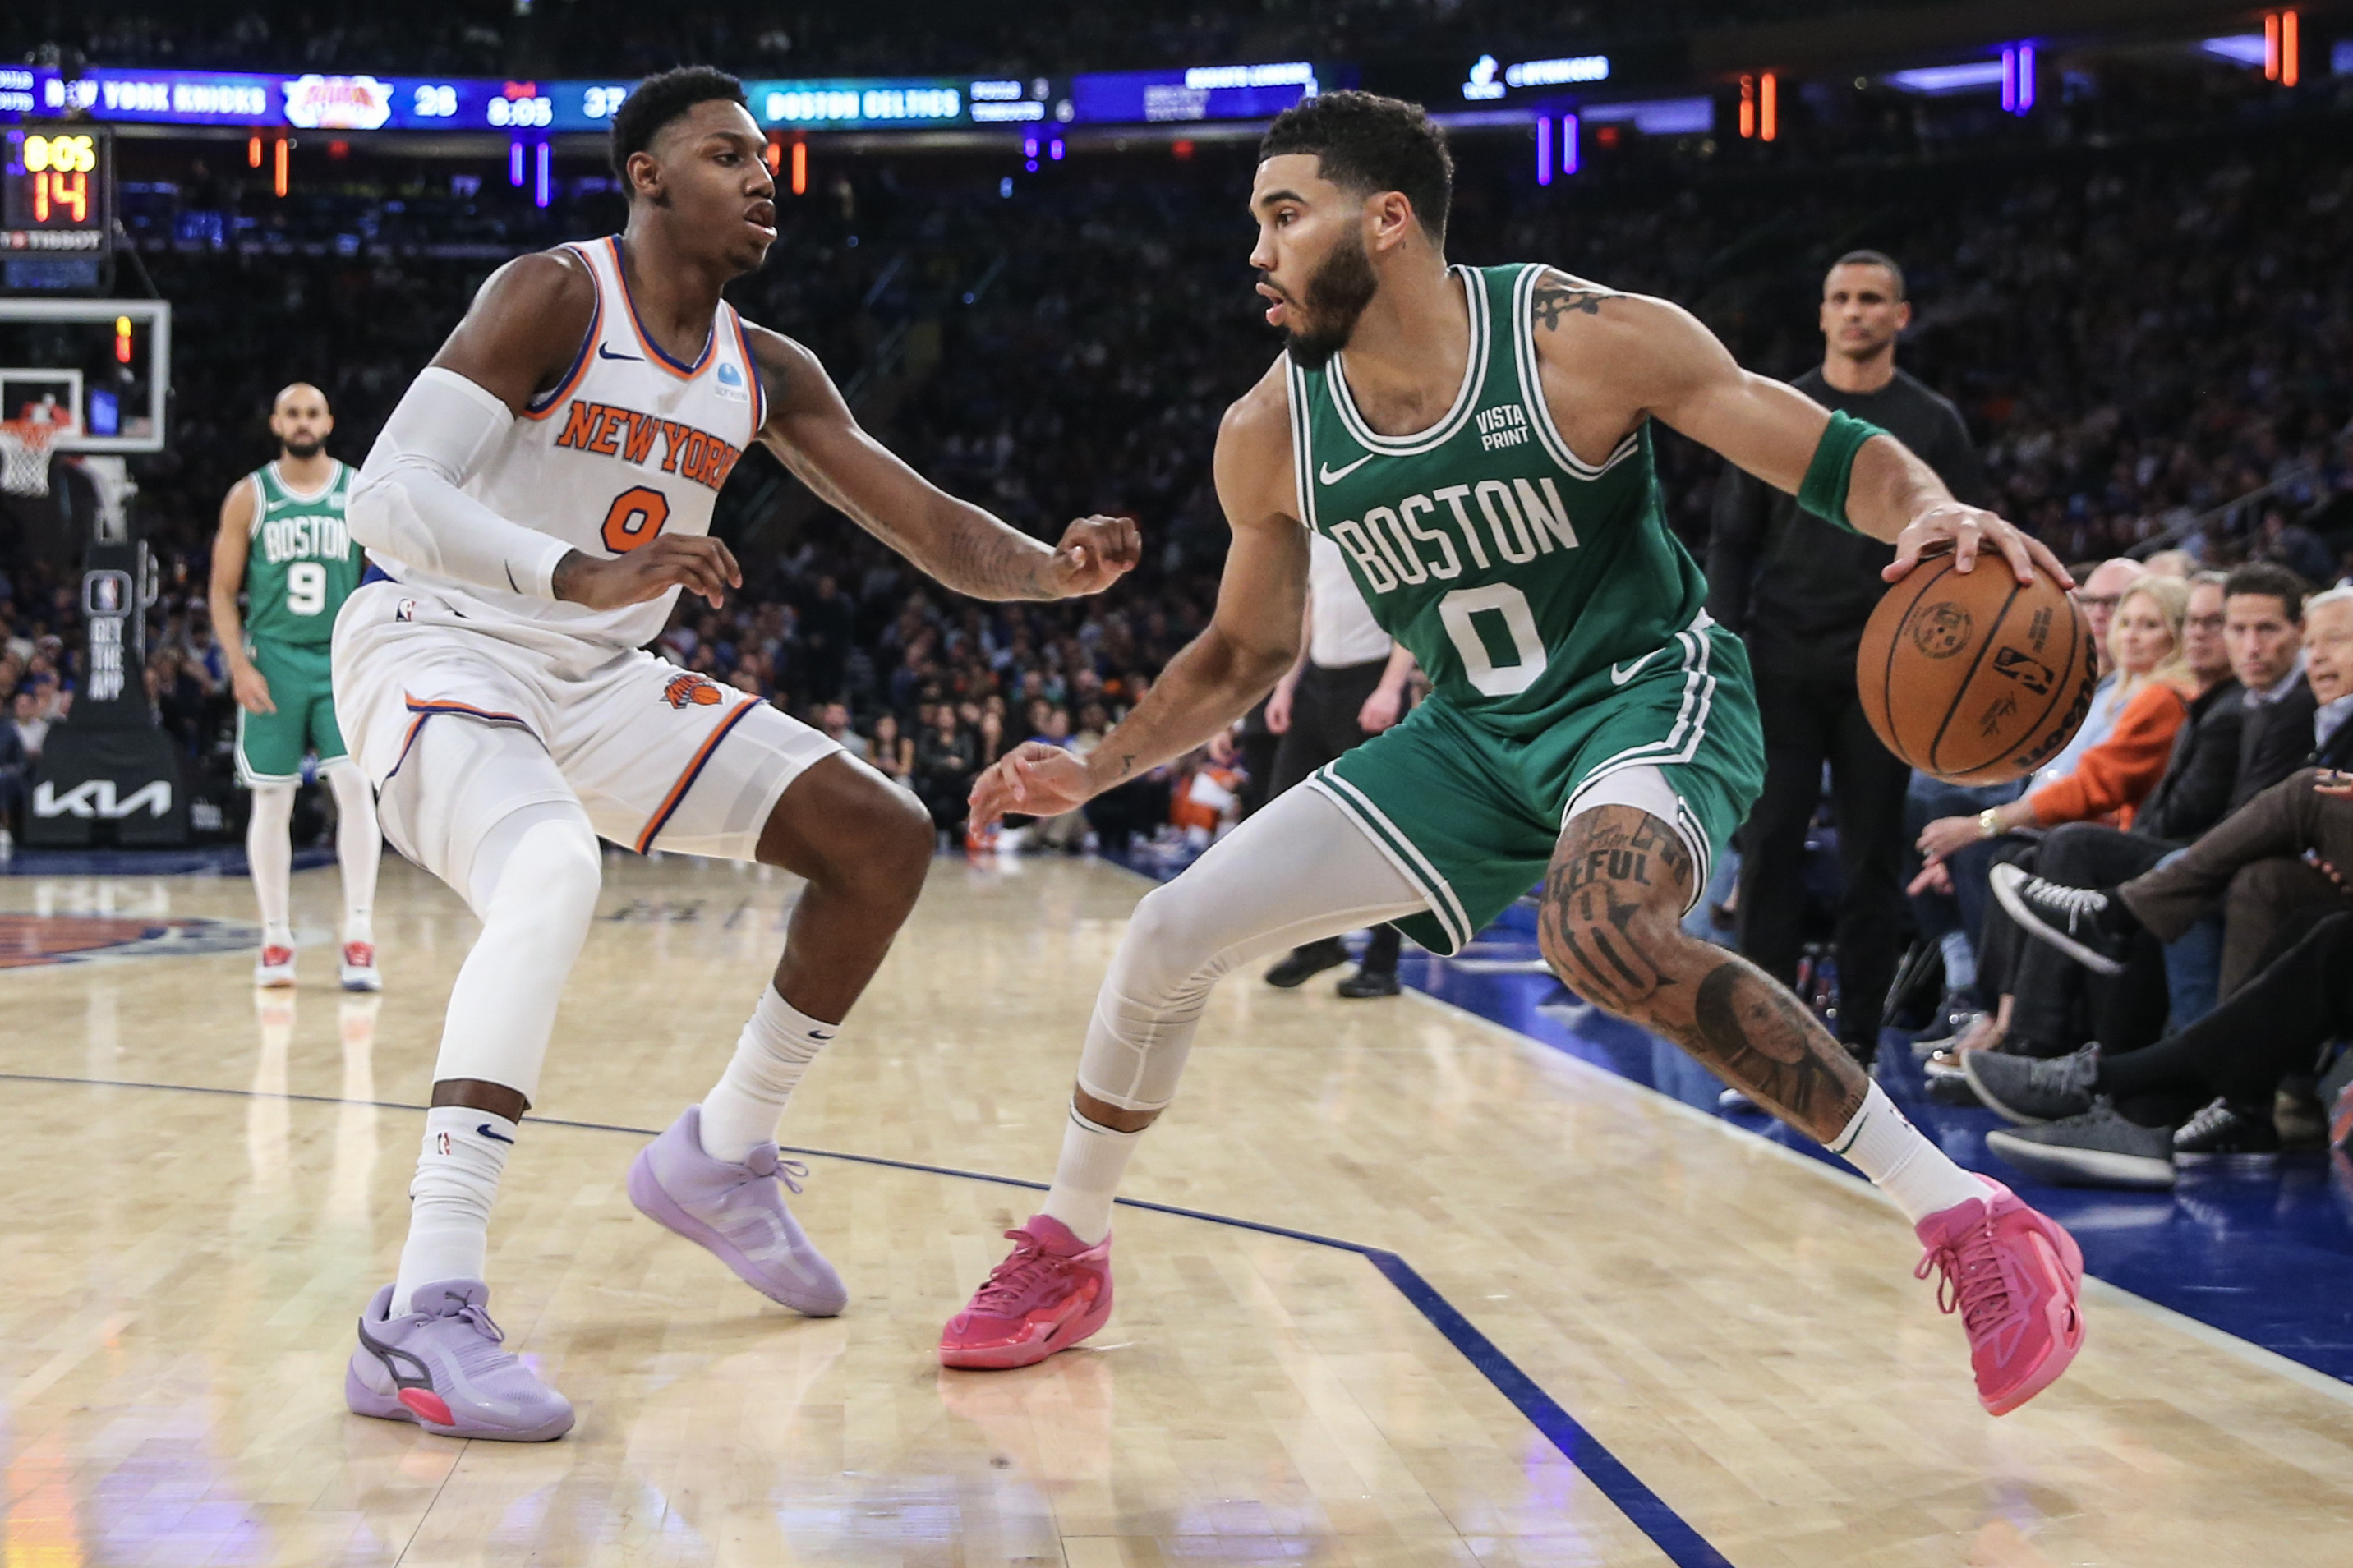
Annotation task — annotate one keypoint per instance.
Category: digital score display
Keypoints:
(56, 188)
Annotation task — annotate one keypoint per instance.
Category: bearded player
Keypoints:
(1481, 452)
(532, 512)
(283, 541)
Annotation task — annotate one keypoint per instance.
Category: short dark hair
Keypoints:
(661, 98)
(1366, 144)
(2268, 578)
(1873, 258)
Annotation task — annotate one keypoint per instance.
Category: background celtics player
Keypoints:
(283, 541)
(1481, 451)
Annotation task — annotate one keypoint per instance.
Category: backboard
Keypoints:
(105, 364)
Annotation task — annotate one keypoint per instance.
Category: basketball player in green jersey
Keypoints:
(283, 541)
(1477, 440)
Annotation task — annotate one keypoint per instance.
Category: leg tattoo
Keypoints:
(1610, 926)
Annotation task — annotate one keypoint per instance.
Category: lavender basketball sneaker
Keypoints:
(441, 1367)
(736, 1211)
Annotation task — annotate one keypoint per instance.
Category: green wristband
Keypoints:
(1827, 477)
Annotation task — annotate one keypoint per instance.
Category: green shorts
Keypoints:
(269, 746)
(1472, 816)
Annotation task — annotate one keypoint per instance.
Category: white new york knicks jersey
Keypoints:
(631, 444)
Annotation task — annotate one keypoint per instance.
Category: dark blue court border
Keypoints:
(1650, 1514)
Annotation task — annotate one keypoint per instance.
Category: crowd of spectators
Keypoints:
(597, 38)
(2139, 334)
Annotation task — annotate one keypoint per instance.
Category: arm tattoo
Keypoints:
(1554, 301)
(1610, 923)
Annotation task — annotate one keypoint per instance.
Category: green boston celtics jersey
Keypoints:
(1526, 581)
(301, 565)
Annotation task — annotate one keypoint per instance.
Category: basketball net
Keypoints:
(24, 456)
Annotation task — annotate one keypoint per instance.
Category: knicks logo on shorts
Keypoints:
(682, 689)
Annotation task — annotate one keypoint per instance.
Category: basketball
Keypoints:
(1974, 677)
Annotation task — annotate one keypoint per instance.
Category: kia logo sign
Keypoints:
(95, 797)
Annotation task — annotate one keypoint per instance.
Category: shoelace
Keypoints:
(1011, 1279)
(792, 1172)
(2213, 1119)
(2073, 902)
(2071, 1072)
(482, 1354)
(1972, 1279)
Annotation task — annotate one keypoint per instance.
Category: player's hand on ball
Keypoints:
(251, 688)
(703, 567)
(1970, 530)
(1034, 779)
(1095, 553)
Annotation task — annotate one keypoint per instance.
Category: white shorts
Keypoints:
(659, 757)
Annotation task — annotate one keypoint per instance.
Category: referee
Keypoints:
(1347, 686)
(1798, 591)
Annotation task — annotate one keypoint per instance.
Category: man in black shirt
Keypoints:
(1798, 591)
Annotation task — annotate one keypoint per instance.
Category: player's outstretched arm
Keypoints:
(811, 429)
(231, 547)
(1251, 640)
(1657, 359)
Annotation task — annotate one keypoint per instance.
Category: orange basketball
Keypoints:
(1973, 676)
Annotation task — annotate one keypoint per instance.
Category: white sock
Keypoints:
(1086, 1178)
(1902, 1164)
(359, 846)
(269, 852)
(450, 1200)
(1960, 960)
(775, 1049)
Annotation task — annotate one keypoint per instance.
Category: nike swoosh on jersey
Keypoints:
(1620, 674)
(1332, 476)
(603, 352)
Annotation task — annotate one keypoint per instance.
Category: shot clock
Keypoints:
(57, 206)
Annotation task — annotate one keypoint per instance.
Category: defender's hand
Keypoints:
(1969, 529)
(1034, 778)
(251, 688)
(1095, 553)
(703, 567)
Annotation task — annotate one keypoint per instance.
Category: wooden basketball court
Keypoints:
(1729, 1358)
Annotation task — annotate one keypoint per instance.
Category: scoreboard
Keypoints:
(56, 208)
(57, 190)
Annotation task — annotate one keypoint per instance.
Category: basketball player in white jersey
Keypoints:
(533, 509)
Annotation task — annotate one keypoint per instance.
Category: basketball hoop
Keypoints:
(24, 456)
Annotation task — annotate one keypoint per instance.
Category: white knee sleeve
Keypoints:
(1297, 871)
(484, 808)
(536, 893)
(269, 852)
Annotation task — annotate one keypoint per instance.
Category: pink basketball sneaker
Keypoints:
(2014, 1275)
(1051, 1293)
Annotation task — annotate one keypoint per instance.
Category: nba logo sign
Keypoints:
(105, 593)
